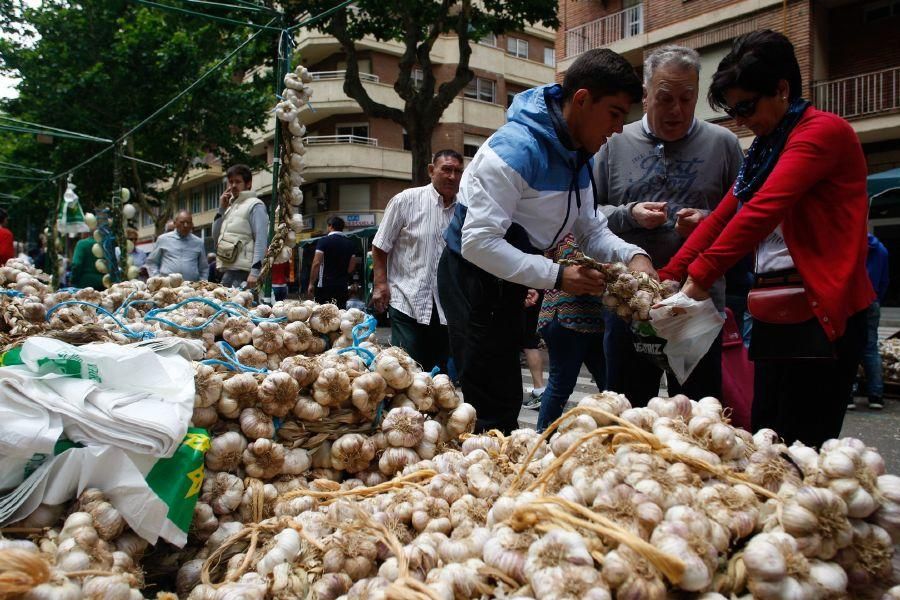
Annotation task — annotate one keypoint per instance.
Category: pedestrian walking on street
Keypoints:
(333, 263)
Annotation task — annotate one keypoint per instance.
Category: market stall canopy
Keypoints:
(886, 180)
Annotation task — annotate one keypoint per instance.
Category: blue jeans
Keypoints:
(871, 360)
(568, 350)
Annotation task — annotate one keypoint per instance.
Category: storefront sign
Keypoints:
(360, 220)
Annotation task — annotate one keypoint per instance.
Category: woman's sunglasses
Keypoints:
(743, 109)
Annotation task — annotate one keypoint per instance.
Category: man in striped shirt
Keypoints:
(406, 251)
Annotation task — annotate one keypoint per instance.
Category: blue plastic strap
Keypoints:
(137, 335)
(231, 361)
(12, 293)
(435, 370)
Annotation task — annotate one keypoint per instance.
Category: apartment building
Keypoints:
(355, 163)
(848, 51)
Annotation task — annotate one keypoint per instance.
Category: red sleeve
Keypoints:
(7, 250)
(701, 239)
(808, 157)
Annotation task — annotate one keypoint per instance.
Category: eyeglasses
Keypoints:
(743, 109)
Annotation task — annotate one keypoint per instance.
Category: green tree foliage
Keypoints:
(417, 24)
(101, 67)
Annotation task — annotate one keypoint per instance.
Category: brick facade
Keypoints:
(855, 46)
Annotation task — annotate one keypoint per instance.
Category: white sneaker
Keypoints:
(536, 392)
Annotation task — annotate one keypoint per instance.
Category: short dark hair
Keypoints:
(335, 223)
(447, 153)
(3, 215)
(242, 171)
(756, 63)
(603, 73)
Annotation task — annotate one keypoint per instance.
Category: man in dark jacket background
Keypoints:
(877, 266)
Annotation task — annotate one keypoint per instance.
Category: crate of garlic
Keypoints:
(328, 478)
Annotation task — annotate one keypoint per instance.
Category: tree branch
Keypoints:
(353, 86)
(448, 90)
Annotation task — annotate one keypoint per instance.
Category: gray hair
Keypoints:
(670, 55)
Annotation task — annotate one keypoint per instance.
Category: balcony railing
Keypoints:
(331, 75)
(860, 95)
(605, 30)
(339, 139)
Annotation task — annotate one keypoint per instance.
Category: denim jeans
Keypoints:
(568, 350)
(871, 359)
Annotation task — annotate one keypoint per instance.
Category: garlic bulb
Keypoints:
(278, 394)
(460, 421)
(367, 391)
(304, 369)
(332, 387)
(285, 548)
(817, 518)
(225, 451)
(325, 318)
(352, 452)
(395, 459)
(445, 395)
(403, 427)
(207, 385)
(223, 492)
(394, 372)
(238, 393)
(267, 337)
(263, 459)
(777, 569)
(307, 409)
(256, 424)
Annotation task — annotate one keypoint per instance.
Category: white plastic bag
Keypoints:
(689, 327)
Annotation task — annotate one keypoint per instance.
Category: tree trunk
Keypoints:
(420, 146)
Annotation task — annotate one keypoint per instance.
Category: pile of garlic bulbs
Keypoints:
(890, 359)
(630, 294)
(330, 478)
(90, 553)
(618, 502)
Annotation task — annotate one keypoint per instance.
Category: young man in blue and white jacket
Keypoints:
(527, 187)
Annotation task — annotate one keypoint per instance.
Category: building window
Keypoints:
(196, 205)
(182, 203)
(418, 77)
(354, 129)
(471, 144)
(354, 197)
(406, 145)
(517, 47)
(147, 219)
(211, 195)
(550, 57)
(481, 89)
(489, 39)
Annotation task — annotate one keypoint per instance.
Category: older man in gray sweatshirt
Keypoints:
(179, 251)
(657, 180)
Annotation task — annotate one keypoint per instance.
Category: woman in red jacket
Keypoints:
(800, 204)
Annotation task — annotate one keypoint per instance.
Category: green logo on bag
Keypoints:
(177, 480)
